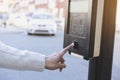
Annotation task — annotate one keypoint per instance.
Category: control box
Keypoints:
(83, 27)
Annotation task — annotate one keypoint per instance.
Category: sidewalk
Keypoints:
(11, 30)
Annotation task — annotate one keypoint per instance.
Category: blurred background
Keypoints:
(21, 19)
(22, 10)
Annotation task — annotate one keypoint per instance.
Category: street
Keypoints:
(77, 69)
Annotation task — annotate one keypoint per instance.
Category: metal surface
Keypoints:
(100, 68)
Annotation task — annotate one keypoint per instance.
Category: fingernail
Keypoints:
(72, 44)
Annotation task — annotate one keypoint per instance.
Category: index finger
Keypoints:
(66, 49)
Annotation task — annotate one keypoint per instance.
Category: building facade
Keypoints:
(56, 7)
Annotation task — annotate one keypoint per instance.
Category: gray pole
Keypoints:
(101, 68)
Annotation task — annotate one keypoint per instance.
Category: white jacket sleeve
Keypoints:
(13, 58)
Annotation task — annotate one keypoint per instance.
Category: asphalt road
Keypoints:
(77, 69)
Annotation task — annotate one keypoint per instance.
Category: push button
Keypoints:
(75, 45)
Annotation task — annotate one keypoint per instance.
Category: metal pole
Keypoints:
(100, 68)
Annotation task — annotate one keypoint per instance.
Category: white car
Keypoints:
(42, 24)
(18, 21)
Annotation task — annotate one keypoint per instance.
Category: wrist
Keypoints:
(46, 62)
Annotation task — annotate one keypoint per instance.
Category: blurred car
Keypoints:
(60, 22)
(18, 21)
(42, 23)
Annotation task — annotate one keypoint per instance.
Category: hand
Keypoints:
(56, 60)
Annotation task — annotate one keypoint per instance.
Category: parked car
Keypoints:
(60, 22)
(18, 21)
(42, 23)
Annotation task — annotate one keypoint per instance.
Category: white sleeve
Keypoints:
(13, 58)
